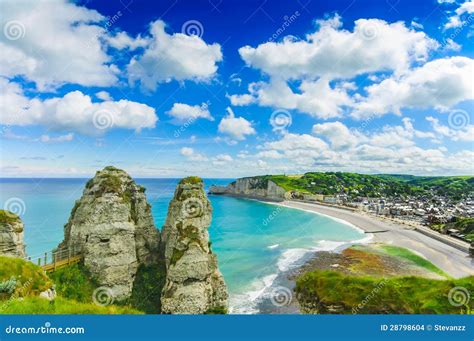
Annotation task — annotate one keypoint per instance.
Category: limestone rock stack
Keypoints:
(194, 284)
(11, 235)
(112, 226)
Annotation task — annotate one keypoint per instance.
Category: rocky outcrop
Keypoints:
(11, 235)
(193, 284)
(112, 227)
(252, 187)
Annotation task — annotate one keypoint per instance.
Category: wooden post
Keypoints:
(69, 256)
(54, 260)
(39, 261)
(45, 258)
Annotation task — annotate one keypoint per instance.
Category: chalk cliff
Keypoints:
(112, 226)
(11, 235)
(252, 187)
(194, 284)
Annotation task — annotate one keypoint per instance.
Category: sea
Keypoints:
(255, 242)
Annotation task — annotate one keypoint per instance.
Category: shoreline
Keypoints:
(451, 260)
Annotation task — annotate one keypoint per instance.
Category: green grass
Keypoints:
(368, 185)
(30, 278)
(36, 305)
(7, 217)
(318, 291)
(149, 282)
(74, 282)
(191, 180)
(410, 256)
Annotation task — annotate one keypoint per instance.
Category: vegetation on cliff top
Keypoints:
(30, 279)
(330, 183)
(72, 284)
(331, 291)
(7, 217)
(190, 180)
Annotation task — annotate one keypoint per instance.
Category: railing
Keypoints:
(55, 259)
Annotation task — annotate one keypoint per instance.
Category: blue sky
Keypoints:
(236, 88)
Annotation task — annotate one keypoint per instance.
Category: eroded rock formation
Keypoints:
(194, 284)
(252, 187)
(112, 226)
(11, 235)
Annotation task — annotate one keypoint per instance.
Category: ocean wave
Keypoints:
(247, 302)
(273, 246)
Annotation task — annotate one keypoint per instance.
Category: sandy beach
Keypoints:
(448, 258)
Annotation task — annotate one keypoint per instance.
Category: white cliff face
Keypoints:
(11, 235)
(194, 284)
(254, 187)
(113, 227)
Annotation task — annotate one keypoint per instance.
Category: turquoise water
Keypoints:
(254, 241)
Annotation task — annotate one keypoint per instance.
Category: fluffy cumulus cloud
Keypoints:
(461, 15)
(192, 155)
(235, 127)
(74, 111)
(327, 55)
(337, 53)
(54, 42)
(440, 83)
(184, 112)
(173, 57)
(316, 98)
(461, 133)
(336, 147)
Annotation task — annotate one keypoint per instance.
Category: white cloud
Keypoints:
(338, 134)
(465, 133)
(222, 159)
(123, 41)
(74, 111)
(60, 138)
(316, 98)
(191, 154)
(173, 57)
(456, 20)
(52, 43)
(103, 95)
(183, 112)
(439, 83)
(330, 53)
(391, 150)
(236, 127)
(337, 53)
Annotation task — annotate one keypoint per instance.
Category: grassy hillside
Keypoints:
(21, 283)
(334, 292)
(353, 184)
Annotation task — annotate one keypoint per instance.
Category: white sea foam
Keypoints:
(290, 257)
(273, 246)
(246, 303)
